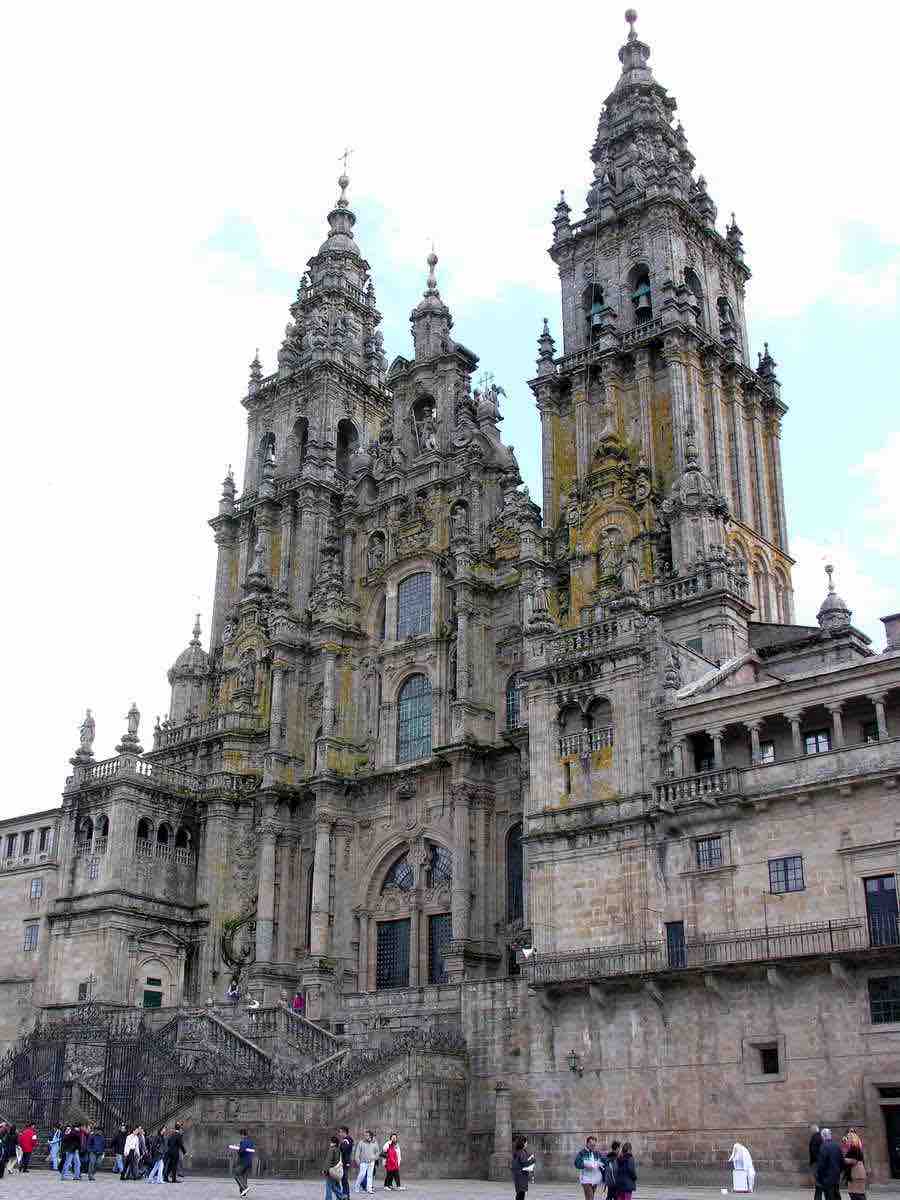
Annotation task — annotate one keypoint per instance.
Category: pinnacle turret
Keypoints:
(834, 613)
(431, 318)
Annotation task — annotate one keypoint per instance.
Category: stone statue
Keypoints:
(134, 720)
(611, 552)
(631, 575)
(459, 521)
(87, 732)
(247, 673)
(426, 430)
(376, 553)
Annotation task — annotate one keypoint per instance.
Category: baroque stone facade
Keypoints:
(571, 779)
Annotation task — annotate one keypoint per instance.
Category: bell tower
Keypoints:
(661, 444)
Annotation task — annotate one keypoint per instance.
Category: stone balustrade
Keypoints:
(176, 735)
(585, 742)
(587, 639)
(14, 861)
(826, 767)
(706, 785)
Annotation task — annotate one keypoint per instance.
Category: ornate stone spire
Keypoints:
(546, 351)
(834, 613)
(226, 502)
(561, 226)
(431, 318)
(256, 372)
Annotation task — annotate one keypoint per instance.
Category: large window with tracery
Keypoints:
(414, 605)
(414, 719)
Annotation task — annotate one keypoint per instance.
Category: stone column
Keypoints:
(755, 753)
(718, 468)
(287, 907)
(582, 436)
(329, 689)
(319, 939)
(363, 967)
(348, 562)
(276, 716)
(678, 757)
(795, 716)
(716, 735)
(307, 555)
(774, 442)
(287, 529)
(759, 466)
(462, 651)
(678, 395)
(267, 835)
(837, 722)
(414, 938)
(550, 507)
(742, 507)
(223, 598)
(211, 875)
(644, 379)
(460, 886)
(878, 699)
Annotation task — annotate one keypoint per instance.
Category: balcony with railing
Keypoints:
(725, 948)
(177, 735)
(585, 742)
(708, 786)
(587, 639)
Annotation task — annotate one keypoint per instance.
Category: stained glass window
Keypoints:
(401, 875)
(392, 956)
(414, 605)
(414, 719)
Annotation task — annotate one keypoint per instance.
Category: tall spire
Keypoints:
(431, 319)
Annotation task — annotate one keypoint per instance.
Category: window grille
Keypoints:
(439, 930)
(514, 875)
(37, 889)
(414, 719)
(514, 702)
(786, 874)
(401, 875)
(392, 956)
(46, 839)
(766, 752)
(818, 742)
(884, 999)
(414, 605)
(31, 937)
(440, 866)
(709, 852)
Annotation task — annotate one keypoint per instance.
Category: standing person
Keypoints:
(610, 1167)
(333, 1171)
(28, 1139)
(157, 1157)
(71, 1148)
(743, 1172)
(245, 1151)
(854, 1161)
(589, 1166)
(54, 1147)
(96, 1150)
(175, 1147)
(11, 1148)
(815, 1145)
(233, 995)
(84, 1132)
(4, 1135)
(130, 1155)
(298, 1004)
(367, 1152)
(829, 1166)
(118, 1148)
(522, 1166)
(345, 1145)
(626, 1173)
(392, 1158)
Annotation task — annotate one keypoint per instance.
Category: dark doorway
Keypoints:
(675, 948)
(892, 1130)
(881, 909)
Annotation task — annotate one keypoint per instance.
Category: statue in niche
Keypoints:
(631, 575)
(376, 553)
(610, 553)
(459, 521)
(425, 425)
(87, 732)
(247, 672)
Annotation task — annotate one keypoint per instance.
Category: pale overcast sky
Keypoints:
(169, 168)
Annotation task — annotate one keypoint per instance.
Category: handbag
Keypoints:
(336, 1170)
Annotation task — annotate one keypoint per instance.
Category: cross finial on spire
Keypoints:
(829, 571)
(196, 631)
(631, 18)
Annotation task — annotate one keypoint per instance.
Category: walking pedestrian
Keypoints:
(175, 1148)
(743, 1172)
(829, 1166)
(28, 1139)
(815, 1145)
(345, 1145)
(334, 1170)
(117, 1146)
(367, 1152)
(54, 1148)
(245, 1151)
(157, 1157)
(610, 1166)
(4, 1146)
(854, 1161)
(392, 1159)
(626, 1173)
(71, 1149)
(96, 1148)
(589, 1166)
(131, 1156)
(522, 1166)
(298, 1004)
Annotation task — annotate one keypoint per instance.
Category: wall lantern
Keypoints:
(574, 1063)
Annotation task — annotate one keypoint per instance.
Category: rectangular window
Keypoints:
(768, 1059)
(438, 937)
(676, 950)
(31, 936)
(37, 889)
(870, 732)
(766, 752)
(818, 742)
(786, 874)
(695, 644)
(93, 869)
(392, 954)
(82, 992)
(152, 999)
(709, 852)
(26, 841)
(151, 982)
(414, 605)
(567, 778)
(46, 839)
(884, 1000)
(11, 840)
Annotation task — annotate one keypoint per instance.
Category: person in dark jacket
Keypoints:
(626, 1172)
(829, 1167)
(815, 1145)
(345, 1145)
(8, 1140)
(175, 1147)
(522, 1166)
(71, 1148)
(96, 1147)
(117, 1146)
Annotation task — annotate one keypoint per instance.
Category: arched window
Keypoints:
(85, 830)
(639, 281)
(514, 717)
(182, 838)
(693, 282)
(347, 441)
(515, 908)
(266, 451)
(144, 830)
(401, 875)
(414, 719)
(414, 605)
(163, 835)
(301, 440)
(440, 866)
(761, 591)
(599, 714)
(592, 302)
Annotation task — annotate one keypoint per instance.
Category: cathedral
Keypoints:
(564, 785)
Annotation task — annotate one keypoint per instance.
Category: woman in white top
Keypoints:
(743, 1172)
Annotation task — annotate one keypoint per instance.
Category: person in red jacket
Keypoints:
(28, 1139)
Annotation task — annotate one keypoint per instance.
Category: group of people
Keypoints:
(345, 1156)
(16, 1148)
(613, 1169)
(837, 1163)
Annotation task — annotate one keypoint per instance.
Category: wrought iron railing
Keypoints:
(727, 947)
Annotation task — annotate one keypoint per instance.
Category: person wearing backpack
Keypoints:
(626, 1173)
(589, 1166)
(522, 1166)
(610, 1170)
